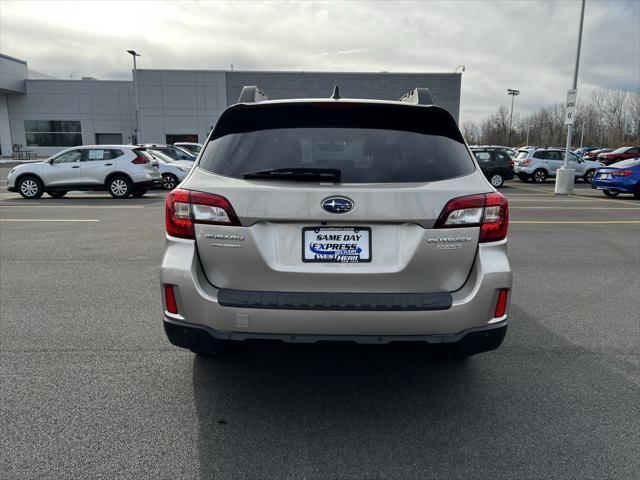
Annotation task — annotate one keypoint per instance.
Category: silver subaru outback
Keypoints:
(336, 220)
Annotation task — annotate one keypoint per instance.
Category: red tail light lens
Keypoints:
(621, 173)
(184, 208)
(489, 211)
(140, 159)
(501, 304)
(170, 299)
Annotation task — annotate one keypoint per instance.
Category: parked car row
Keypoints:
(122, 170)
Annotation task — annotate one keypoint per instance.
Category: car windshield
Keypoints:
(363, 155)
(161, 156)
(522, 154)
(621, 150)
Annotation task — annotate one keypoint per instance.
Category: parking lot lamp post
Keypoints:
(565, 176)
(514, 94)
(134, 54)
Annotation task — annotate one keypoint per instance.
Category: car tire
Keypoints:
(169, 181)
(588, 177)
(524, 178)
(119, 187)
(611, 193)
(139, 192)
(539, 176)
(636, 192)
(57, 193)
(30, 187)
(496, 180)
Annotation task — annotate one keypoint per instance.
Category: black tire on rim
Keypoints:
(30, 187)
(636, 192)
(139, 192)
(611, 193)
(169, 181)
(57, 193)
(496, 180)
(119, 187)
(539, 176)
(588, 177)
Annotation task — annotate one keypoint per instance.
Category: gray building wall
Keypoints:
(13, 72)
(101, 107)
(445, 87)
(187, 102)
(179, 102)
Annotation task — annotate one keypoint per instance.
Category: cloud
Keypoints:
(528, 45)
(346, 52)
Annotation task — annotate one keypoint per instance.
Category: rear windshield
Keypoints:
(631, 162)
(363, 155)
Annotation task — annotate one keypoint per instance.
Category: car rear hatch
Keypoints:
(335, 197)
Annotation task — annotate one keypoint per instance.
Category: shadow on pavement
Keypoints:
(390, 412)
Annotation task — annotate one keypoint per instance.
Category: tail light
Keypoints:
(525, 162)
(501, 304)
(488, 211)
(621, 173)
(185, 208)
(511, 163)
(140, 159)
(170, 299)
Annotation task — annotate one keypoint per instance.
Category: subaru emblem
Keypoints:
(337, 205)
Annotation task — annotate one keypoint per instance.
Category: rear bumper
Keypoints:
(200, 306)
(202, 338)
(149, 183)
(621, 185)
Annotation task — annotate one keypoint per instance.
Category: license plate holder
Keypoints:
(336, 244)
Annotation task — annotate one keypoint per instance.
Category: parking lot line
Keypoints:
(576, 222)
(74, 206)
(577, 197)
(573, 208)
(49, 220)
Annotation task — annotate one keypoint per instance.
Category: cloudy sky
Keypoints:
(528, 45)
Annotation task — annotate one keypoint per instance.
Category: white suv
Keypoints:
(120, 169)
(538, 164)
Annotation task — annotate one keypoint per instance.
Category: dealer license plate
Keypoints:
(336, 244)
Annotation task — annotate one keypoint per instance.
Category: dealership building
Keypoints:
(45, 114)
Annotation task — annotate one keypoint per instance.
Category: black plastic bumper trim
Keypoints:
(200, 337)
(334, 300)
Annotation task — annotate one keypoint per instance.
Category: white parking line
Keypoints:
(573, 208)
(48, 220)
(124, 207)
(584, 222)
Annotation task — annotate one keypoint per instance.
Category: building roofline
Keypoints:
(294, 71)
(9, 57)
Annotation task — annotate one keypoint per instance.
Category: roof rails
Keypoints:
(418, 96)
(251, 94)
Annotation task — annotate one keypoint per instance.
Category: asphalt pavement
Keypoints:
(91, 388)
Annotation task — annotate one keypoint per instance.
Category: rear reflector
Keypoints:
(501, 304)
(170, 299)
(488, 211)
(184, 209)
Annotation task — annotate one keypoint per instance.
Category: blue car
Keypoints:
(621, 177)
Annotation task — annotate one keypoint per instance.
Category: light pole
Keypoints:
(565, 176)
(461, 67)
(514, 94)
(134, 54)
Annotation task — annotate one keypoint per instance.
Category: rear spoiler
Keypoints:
(417, 96)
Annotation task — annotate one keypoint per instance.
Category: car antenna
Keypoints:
(336, 93)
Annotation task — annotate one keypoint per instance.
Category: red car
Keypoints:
(621, 153)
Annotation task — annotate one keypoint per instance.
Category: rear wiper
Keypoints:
(297, 174)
